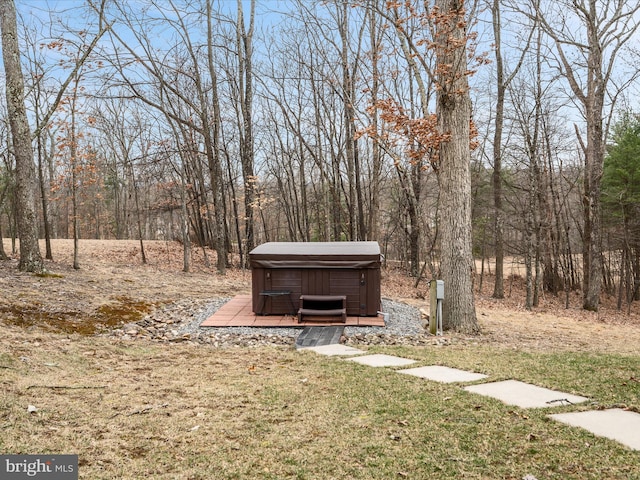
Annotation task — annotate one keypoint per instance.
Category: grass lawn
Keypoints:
(141, 410)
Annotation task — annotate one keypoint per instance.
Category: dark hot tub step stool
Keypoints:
(323, 308)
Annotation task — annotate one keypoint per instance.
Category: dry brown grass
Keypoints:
(113, 277)
(548, 327)
(138, 410)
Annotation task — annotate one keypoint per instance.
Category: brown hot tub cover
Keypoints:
(316, 254)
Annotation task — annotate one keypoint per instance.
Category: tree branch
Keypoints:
(104, 28)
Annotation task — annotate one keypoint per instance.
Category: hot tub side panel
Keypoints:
(362, 288)
(275, 279)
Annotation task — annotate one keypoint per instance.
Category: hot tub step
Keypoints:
(310, 315)
(323, 308)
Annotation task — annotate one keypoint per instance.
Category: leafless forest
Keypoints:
(230, 123)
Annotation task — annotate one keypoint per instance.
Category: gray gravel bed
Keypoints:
(401, 319)
(180, 321)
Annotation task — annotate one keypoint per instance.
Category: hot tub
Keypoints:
(315, 268)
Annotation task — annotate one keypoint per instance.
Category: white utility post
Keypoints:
(436, 290)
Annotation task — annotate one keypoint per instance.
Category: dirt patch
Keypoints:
(113, 288)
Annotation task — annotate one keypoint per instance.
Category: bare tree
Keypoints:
(30, 257)
(375, 41)
(244, 45)
(180, 92)
(25, 171)
(38, 71)
(409, 133)
(5, 182)
(503, 80)
(454, 118)
(312, 89)
(596, 32)
(73, 158)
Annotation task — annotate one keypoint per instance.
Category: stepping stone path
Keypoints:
(615, 424)
(524, 395)
(381, 360)
(334, 350)
(441, 374)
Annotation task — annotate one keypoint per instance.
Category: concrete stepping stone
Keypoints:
(615, 424)
(443, 374)
(524, 395)
(382, 360)
(334, 350)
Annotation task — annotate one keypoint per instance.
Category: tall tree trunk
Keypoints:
(376, 154)
(3, 254)
(212, 143)
(594, 158)
(44, 197)
(45, 202)
(184, 226)
(592, 259)
(502, 83)
(245, 76)
(498, 288)
(73, 154)
(454, 116)
(30, 257)
(348, 115)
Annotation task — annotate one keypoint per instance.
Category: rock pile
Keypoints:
(180, 322)
(421, 339)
